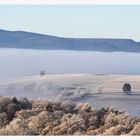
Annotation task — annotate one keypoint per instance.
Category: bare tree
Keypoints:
(42, 73)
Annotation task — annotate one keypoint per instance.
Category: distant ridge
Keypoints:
(29, 40)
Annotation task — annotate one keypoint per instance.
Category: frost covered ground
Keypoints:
(97, 90)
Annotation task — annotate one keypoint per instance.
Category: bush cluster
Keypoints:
(41, 117)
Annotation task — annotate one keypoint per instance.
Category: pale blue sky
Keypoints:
(94, 21)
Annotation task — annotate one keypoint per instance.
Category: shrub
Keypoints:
(40, 117)
(3, 119)
(136, 130)
(16, 127)
(24, 103)
(126, 88)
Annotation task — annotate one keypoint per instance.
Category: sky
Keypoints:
(80, 21)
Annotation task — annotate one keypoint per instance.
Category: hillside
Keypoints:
(97, 90)
(70, 104)
(28, 40)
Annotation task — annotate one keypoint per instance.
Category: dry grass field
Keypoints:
(70, 105)
(98, 90)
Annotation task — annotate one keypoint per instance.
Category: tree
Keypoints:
(42, 73)
(126, 88)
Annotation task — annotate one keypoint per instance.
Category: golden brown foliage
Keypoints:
(40, 117)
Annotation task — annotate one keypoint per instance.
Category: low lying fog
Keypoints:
(22, 62)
